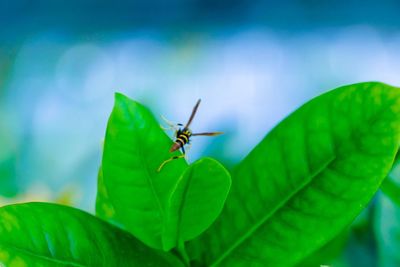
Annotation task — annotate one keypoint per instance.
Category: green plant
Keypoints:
(298, 189)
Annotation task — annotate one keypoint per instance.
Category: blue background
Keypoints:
(251, 62)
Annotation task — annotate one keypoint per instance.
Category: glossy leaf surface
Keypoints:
(328, 254)
(306, 180)
(196, 201)
(134, 148)
(43, 234)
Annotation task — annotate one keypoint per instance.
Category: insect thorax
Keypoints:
(186, 132)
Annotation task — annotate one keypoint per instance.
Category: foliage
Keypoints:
(299, 188)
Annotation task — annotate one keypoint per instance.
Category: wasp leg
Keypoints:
(172, 125)
(168, 160)
(188, 147)
(166, 128)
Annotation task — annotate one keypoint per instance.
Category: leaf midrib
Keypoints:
(268, 215)
(183, 203)
(150, 181)
(44, 257)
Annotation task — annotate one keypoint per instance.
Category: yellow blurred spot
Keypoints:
(108, 210)
(18, 262)
(69, 196)
(4, 256)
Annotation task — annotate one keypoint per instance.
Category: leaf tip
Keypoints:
(122, 100)
(120, 97)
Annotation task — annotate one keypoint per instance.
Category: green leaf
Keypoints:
(134, 148)
(390, 186)
(44, 234)
(327, 254)
(392, 190)
(196, 201)
(306, 180)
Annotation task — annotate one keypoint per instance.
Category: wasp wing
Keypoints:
(192, 115)
(207, 134)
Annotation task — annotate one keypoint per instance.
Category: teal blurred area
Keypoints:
(251, 63)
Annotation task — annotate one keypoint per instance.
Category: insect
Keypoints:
(182, 136)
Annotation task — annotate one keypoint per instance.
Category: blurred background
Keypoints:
(251, 62)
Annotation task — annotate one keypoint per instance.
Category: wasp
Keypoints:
(182, 136)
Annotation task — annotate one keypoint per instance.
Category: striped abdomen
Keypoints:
(181, 140)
